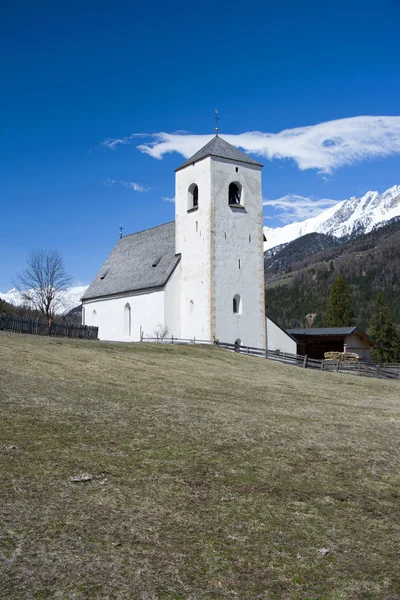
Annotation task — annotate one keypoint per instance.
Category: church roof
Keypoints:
(139, 261)
(219, 147)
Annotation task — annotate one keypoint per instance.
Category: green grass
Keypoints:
(214, 476)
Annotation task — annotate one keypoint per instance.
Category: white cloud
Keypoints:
(326, 146)
(298, 208)
(108, 182)
(166, 199)
(112, 143)
(135, 186)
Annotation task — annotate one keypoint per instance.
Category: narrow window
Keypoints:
(127, 320)
(239, 263)
(237, 169)
(237, 304)
(197, 226)
(249, 237)
(193, 196)
(94, 317)
(234, 193)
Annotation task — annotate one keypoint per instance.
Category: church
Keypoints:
(200, 276)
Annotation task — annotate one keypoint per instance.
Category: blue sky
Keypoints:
(80, 75)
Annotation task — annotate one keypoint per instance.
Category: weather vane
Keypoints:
(216, 121)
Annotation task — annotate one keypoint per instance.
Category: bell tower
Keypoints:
(219, 235)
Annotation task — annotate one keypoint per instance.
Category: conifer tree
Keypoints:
(384, 332)
(340, 311)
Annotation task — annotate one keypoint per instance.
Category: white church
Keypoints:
(200, 276)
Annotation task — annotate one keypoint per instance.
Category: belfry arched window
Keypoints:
(237, 304)
(127, 320)
(235, 193)
(193, 196)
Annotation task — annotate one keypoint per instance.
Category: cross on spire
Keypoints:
(216, 121)
(120, 231)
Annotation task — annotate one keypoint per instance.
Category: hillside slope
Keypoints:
(239, 478)
(298, 275)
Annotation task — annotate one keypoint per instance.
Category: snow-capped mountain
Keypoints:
(349, 217)
(68, 300)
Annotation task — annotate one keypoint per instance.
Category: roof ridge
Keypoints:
(148, 229)
(219, 147)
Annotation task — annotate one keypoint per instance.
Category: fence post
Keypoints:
(305, 361)
(172, 339)
(322, 364)
(266, 352)
(194, 340)
(378, 371)
(338, 366)
(283, 358)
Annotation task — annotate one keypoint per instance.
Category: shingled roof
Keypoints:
(222, 149)
(139, 261)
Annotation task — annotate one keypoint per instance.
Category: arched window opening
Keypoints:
(237, 304)
(94, 317)
(235, 193)
(193, 196)
(127, 320)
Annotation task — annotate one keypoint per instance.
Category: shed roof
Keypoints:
(138, 261)
(222, 149)
(328, 331)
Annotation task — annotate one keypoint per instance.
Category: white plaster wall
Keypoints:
(238, 236)
(278, 339)
(193, 243)
(360, 346)
(172, 315)
(147, 312)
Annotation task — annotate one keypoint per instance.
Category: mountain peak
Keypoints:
(346, 218)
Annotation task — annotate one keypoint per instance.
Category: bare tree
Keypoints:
(161, 332)
(43, 282)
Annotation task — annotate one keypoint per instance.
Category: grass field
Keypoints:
(214, 475)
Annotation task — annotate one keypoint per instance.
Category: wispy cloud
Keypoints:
(135, 186)
(325, 147)
(113, 143)
(167, 199)
(108, 182)
(293, 207)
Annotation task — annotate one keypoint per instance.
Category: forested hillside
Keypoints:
(299, 275)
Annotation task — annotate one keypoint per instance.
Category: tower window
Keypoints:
(235, 193)
(193, 196)
(237, 304)
(237, 169)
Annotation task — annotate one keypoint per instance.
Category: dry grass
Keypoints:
(214, 476)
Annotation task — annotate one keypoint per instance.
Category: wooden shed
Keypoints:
(315, 341)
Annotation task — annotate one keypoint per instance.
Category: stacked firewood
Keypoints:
(349, 357)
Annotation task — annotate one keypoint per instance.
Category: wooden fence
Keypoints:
(39, 327)
(386, 371)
